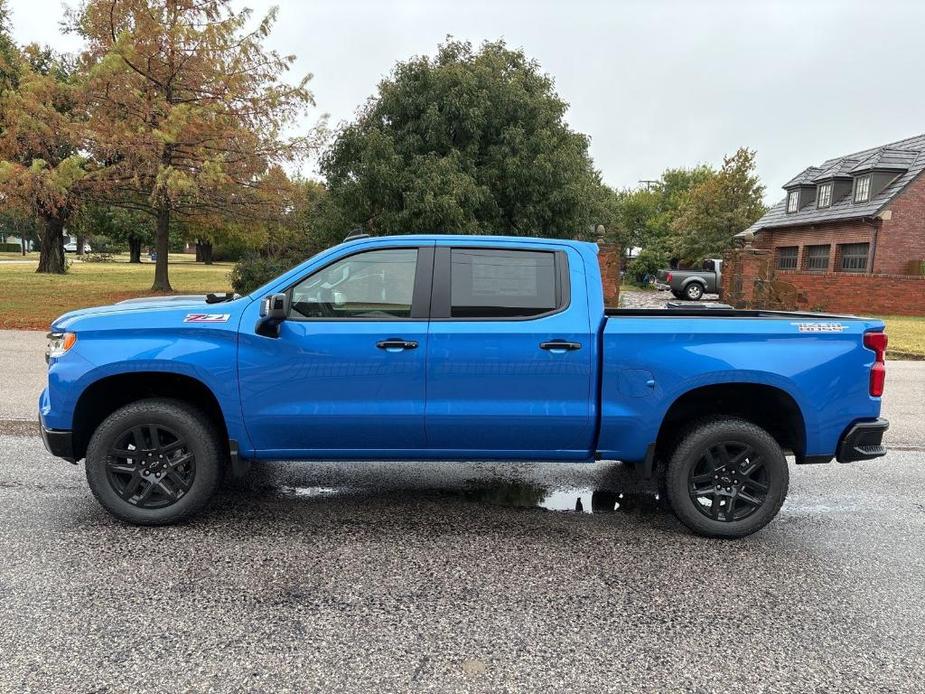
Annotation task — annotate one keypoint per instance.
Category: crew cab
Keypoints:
(692, 284)
(459, 348)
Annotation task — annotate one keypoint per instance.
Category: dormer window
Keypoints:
(793, 201)
(824, 196)
(862, 188)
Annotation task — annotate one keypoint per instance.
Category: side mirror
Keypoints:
(275, 310)
(340, 299)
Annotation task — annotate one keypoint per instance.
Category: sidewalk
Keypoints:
(22, 372)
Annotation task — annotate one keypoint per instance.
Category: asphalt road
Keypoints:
(388, 577)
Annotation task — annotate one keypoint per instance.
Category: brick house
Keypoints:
(859, 213)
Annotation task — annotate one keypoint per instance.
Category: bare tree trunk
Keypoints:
(206, 252)
(134, 250)
(198, 251)
(81, 242)
(22, 243)
(51, 258)
(161, 245)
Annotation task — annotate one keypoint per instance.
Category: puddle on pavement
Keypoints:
(505, 493)
(583, 500)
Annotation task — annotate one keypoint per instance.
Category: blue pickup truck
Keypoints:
(457, 348)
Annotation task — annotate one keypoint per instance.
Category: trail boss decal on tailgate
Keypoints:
(207, 317)
(819, 327)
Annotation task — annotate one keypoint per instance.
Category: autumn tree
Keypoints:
(42, 168)
(718, 208)
(187, 108)
(467, 141)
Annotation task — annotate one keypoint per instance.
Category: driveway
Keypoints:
(447, 577)
(653, 299)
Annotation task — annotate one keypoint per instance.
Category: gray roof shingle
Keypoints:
(906, 157)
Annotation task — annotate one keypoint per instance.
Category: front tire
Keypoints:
(154, 462)
(727, 478)
(694, 291)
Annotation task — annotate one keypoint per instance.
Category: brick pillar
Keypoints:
(744, 271)
(609, 258)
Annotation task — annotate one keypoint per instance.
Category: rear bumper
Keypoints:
(58, 442)
(862, 441)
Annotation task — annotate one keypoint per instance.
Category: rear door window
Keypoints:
(494, 283)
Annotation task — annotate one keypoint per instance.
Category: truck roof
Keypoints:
(470, 237)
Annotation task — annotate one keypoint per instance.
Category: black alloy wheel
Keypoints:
(727, 477)
(729, 482)
(150, 466)
(155, 461)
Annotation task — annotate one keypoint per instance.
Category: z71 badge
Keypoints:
(820, 327)
(207, 317)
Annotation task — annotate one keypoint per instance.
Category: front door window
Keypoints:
(376, 284)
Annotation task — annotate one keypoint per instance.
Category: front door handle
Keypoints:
(560, 346)
(396, 345)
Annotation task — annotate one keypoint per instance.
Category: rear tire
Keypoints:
(154, 462)
(727, 478)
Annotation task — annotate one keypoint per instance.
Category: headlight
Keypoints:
(59, 344)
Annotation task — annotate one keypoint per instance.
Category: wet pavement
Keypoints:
(461, 577)
(452, 577)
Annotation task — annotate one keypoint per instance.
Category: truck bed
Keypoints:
(704, 312)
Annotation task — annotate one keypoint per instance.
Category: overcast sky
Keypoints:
(655, 83)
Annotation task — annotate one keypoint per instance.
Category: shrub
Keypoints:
(234, 249)
(254, 270)
(96, 256)
(646, 264)
(10, 248)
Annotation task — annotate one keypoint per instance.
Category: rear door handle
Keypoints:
(560, 346)
(396, 345)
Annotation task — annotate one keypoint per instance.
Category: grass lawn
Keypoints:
(31, 301)
(906, 337)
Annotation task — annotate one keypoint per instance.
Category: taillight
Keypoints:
(668, 279)
(877, 342)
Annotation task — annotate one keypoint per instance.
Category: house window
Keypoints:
(862, 189)
(853, 257)
(816, 258)
(793, 201)
(787, 257)
(824, 197)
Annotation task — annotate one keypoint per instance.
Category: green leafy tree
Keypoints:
(127, 228)
(718, 208)
(15, 222)
(467, 141)
(9, 53)
(647, 214)
(187, 108)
